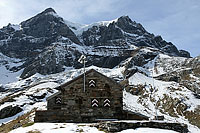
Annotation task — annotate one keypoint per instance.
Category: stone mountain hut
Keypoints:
(102, 99)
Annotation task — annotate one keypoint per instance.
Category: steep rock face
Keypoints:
(48, 24)
(111, 33)
(65, 53)
(51, 60)
(92, 35)
(124, 32)
(34, 35)
(184, 53)
(129, 26)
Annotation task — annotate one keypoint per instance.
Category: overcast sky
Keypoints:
(177, 21)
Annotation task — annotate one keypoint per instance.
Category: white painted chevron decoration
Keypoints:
(92, 83)
(58, 100)
(95, 103)
(106, 103)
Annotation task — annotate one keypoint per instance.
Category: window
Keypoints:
(106, 86)
(71, 89)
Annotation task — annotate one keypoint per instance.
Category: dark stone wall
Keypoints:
(119, 126)
(79, 103)
(50, 116)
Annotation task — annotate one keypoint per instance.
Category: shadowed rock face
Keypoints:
(129, 32)
(48, 24)
(44, 42)
(36, 33)
(2, 89)
(129, 26)
(9, 111)
(184, 53)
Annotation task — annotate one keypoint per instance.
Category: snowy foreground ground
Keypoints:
(72, 128)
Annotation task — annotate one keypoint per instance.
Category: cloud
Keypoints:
(177, 21)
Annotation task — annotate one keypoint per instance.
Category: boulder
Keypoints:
(9, 111)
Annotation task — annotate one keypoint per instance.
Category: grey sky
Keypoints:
(177, 21)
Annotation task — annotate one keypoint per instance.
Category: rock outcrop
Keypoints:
(9, 111)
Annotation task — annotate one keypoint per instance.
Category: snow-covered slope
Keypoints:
(78, 29)
(155, 97)
(9, 69)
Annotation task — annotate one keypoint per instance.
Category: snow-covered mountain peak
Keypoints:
(49, 14)
(78, 29)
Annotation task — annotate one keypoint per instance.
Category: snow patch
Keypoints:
(57, 128)
(147, 130)
(16, 27)
(78, 29)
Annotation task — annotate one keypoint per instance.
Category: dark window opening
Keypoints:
(79, 101)
(106, 86)
(71, 89)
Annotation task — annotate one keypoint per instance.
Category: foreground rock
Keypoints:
(9, 111)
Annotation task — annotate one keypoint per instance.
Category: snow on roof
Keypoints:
(16, 27)
(86, 73)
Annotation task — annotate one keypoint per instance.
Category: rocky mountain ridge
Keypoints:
(105, 43)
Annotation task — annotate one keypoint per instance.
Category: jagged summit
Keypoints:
(48, 14)
(48, 10)
(125, 18)
(49, 25)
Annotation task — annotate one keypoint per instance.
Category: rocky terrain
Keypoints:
(42, 52)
